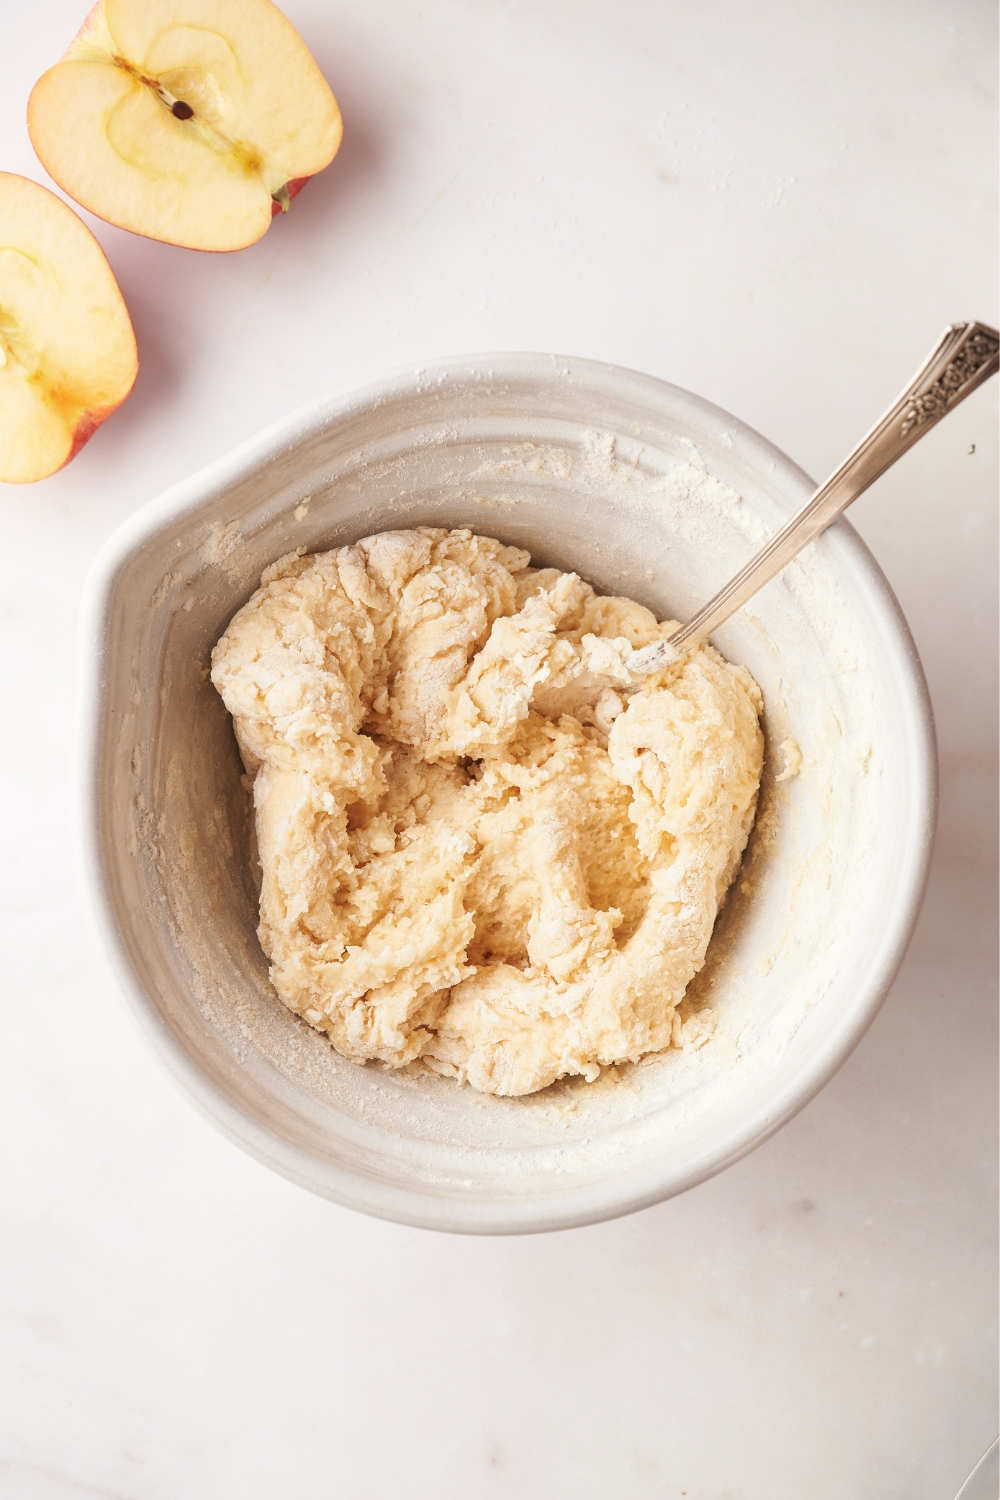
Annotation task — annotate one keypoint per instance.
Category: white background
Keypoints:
(778, 204)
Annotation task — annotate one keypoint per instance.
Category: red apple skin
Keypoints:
(89, 423)
(89, 24)
(293, 189)
(84, 430)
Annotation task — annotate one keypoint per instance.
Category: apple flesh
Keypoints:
(189, 121)
(67, 350)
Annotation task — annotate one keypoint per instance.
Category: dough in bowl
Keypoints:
(484, 842)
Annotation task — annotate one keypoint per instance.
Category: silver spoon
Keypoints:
(984, 1481)
(967, 354)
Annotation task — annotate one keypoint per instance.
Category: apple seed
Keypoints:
(180, 110)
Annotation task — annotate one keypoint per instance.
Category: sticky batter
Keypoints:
(484, 842)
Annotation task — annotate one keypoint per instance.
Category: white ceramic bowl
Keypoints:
(644, 490)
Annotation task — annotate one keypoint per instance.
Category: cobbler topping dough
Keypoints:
(484, 842)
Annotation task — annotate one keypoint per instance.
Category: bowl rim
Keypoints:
(392, 1202)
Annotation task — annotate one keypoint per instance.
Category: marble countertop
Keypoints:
(778, 206)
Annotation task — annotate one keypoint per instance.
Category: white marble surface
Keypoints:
(778, 205)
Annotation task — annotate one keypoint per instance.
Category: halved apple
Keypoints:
(190, 121)
(67, 350)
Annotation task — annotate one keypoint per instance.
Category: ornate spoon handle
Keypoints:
(966, 356)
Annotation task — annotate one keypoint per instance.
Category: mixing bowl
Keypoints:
(644, 490)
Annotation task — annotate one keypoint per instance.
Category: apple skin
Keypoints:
(102, 120)
(67, 328)
(292, 190)
(88, 28)
(88, 425)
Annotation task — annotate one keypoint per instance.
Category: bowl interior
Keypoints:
(643, 490)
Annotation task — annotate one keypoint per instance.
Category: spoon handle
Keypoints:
(966, 355)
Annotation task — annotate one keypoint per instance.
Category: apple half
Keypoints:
(67, 350)
(189, 121)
